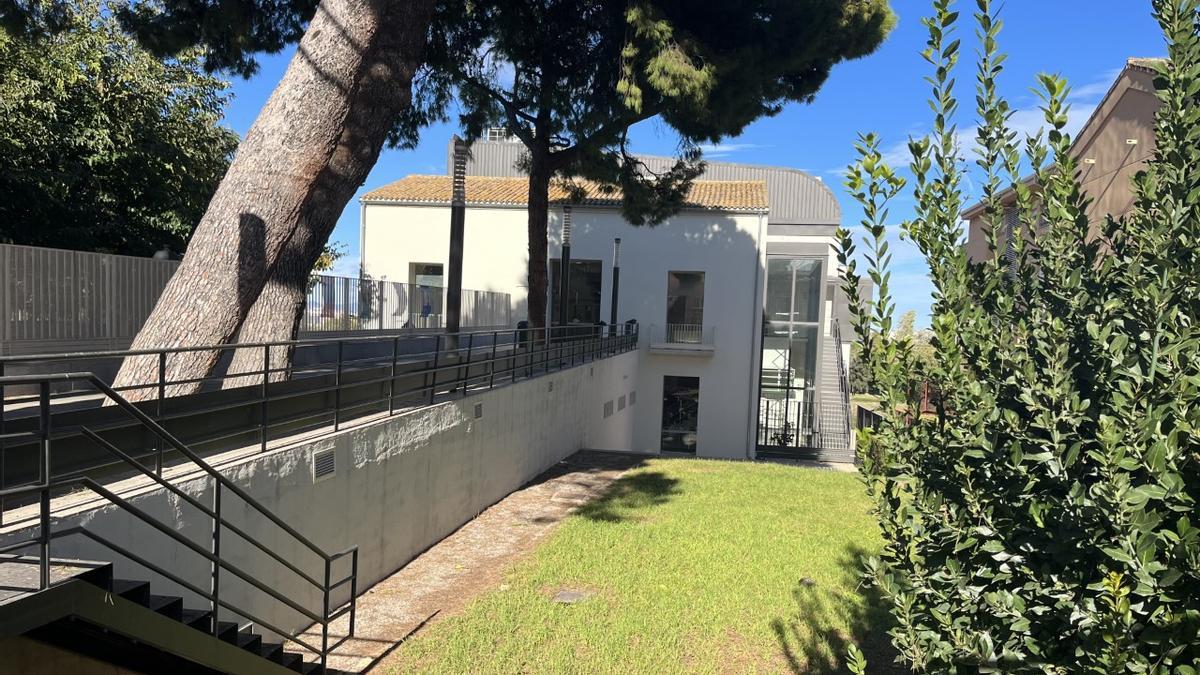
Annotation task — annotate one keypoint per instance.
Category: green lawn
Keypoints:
(694, 566)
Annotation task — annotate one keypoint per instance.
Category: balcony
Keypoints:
(682, 339)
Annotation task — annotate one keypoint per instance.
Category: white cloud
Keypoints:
(723, 149)
(1094, 91)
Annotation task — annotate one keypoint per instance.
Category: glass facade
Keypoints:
(790, 344)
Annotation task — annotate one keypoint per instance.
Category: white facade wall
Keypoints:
(725, 246)
(495, 245)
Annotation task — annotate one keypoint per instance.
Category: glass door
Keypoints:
(680, 413)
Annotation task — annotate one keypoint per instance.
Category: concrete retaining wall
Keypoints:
(401, 485)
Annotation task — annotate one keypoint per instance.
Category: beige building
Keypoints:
(1112, 146)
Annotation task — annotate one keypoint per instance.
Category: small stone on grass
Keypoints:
(570, 597)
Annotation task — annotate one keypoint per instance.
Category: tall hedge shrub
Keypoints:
(1046, 520)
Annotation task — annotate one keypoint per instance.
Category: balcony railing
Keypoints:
(682, 335)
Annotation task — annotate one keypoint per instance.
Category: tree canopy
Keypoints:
(102, 145)
(569, 77)
(1042, 520)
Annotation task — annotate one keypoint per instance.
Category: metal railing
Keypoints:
(843, 376)
(47, 484)
(354, 304)
(683, 334)
(362, 377)
(92, 298)
(788, 423)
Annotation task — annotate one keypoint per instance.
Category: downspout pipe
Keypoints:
(616, 284)
(458, 216)
(564, 267)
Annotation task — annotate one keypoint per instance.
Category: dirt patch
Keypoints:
(471, 561)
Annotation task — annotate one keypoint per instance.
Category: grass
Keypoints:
(693, 566)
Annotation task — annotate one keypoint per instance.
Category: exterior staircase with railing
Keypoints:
(55, 600)
(834, 398)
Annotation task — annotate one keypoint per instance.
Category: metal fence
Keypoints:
(51, 294)
(683, 334)
(58, 295)
(348, 304)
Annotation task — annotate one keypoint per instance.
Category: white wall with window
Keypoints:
(701, 270)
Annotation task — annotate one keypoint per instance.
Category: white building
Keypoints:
(736, 296)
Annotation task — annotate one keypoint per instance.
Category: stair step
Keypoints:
(197, 618)
(291, 660)
(271, 651)
(227, 631)
(310, 667)
(132, 589)
(101, 576)
(167, 605)
(249, 641)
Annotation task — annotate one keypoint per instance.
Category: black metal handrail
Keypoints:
(843, 377)
(526, 353)
(48, 483)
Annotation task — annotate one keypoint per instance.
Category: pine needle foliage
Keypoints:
(1046, 520)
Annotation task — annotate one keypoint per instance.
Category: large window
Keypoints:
(685, 298)
(425, 295)
(680, 413)
(790, 347)
(583, 301)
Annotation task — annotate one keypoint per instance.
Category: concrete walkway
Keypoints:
(469, 562)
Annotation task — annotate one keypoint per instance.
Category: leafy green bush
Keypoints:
(1045, 521)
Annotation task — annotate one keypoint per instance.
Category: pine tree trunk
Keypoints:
(383, 90)
(539, 219)
(286, 173)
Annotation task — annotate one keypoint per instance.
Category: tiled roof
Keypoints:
(724, 195)
(1145, 64)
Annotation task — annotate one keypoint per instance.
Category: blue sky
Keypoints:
(1086, 41)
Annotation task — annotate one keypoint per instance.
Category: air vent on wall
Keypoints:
(621, 402)
(608, 408)
(323, 465)
(632, 397)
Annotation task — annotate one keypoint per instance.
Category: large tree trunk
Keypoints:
(540, 173)
(284, 174)
(384, 89)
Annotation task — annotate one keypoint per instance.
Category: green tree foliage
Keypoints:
(103, 146)
(569, 77)
(1046, 520)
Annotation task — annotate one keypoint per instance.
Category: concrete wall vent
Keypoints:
(323, 465)
(608, 409)
(621, 402)
(632, 397)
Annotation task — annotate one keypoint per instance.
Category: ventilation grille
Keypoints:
(632, 397)
(608, 409)
(323, 465)
(621, 402)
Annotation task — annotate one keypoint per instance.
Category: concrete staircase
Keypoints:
(834, 415)
(128, 607)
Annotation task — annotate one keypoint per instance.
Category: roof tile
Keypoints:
(731, 195)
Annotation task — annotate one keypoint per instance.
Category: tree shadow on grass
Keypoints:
(815, 637)
(629, 495)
